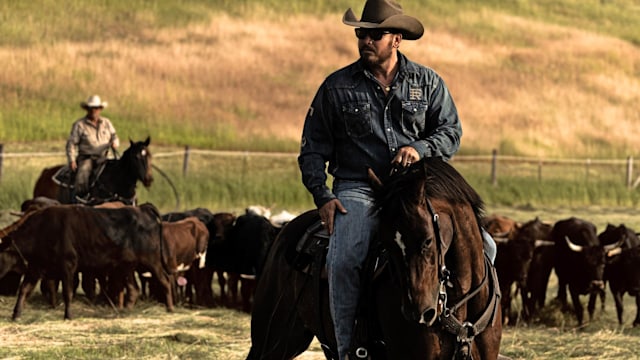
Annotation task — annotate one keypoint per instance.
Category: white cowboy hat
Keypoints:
(93, 102)
(385, 14)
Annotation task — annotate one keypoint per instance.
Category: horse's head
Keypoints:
(138, 157)
(426, 211)
(407, 231)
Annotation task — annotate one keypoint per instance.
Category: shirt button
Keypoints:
(393, 149)
(388, 129)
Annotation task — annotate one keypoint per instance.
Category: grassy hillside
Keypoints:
(540, 78)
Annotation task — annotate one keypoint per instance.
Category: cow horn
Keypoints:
(542, 242)
(504, 234)
(614, 252)
(611, 247)
(500, 239)
(572, 246)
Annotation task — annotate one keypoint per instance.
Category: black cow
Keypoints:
(534, 285)
(242, 254)
(513, 261)
(579, 262)
(622, 269)
(60, 240)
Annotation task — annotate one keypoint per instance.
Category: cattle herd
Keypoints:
(583, 260)
(117, 253)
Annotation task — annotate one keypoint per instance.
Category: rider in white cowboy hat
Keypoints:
(89, 142)
(382, 112)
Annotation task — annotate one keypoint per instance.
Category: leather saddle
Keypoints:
(310, 248)
(66, 178)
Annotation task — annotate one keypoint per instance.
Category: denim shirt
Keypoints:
(353, 125)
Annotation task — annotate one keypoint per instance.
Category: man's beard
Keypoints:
(372, 57)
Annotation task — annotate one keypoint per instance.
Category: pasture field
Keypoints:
(530, 77)
(149, 332)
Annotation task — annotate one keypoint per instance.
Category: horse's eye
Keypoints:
(425, 246)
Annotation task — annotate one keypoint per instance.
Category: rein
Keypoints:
(464, 331)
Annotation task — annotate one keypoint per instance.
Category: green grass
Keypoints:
(233, 181)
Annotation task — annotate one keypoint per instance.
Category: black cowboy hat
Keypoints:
(385, 14)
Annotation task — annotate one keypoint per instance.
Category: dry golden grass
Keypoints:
(543, 90)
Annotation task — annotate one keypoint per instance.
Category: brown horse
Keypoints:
(435, 296)
(116, 182)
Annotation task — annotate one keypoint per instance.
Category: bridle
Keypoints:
(465, 331)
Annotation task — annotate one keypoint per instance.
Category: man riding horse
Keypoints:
(385, 112)
(89, 142)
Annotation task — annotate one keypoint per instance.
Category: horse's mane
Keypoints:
(429, 178)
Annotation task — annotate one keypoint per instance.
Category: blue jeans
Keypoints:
(348, 249)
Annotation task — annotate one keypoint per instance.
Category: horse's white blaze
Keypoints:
(398, 240)
(143, 152)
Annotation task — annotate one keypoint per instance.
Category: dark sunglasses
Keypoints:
(373, 34)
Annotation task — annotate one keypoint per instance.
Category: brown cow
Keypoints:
(60, 240)
(219, 225)
(187, 240)
(500, 227)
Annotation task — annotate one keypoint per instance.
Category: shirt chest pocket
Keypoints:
(357, 119)
(414, 116)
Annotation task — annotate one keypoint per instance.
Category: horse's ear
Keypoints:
(375, 181)
(146, 142)
(130, 142)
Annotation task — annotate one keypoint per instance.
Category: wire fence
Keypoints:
(232, 180)
(494, 166)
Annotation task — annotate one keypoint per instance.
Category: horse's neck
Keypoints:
(116, 178)
(465, 258)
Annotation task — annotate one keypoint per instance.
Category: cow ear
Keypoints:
(375, 181)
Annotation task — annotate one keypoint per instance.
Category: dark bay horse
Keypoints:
(435, 296)
(116, 182)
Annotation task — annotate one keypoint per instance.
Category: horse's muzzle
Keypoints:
(147, 181)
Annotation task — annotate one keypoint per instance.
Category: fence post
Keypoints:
(629, 171)
(1, 158)
(539, 170)
(494, 164)
(185, 162)
(588, 167)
